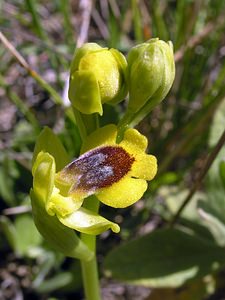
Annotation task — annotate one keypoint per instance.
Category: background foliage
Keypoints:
(185, 261)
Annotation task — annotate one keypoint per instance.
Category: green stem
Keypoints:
(87, 124)
(90, 268)
(90, 279)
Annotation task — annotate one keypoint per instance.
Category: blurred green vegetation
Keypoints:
(182, 131)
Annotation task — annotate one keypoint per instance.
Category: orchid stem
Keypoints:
(90, 279)
(87, 124)
(90, 268)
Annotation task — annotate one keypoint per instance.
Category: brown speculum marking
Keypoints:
(97, 168)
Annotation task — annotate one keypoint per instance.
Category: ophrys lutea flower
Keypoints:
(116, 173)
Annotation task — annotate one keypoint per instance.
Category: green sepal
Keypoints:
(43, 176)
(122, 65)
(47, 141)
(84, 92)
(60, 237)
(88, 222)
(80, 52)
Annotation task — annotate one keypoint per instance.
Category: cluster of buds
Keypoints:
(99, 76)
(110, 170)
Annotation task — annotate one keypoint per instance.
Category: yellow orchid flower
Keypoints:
(116, 173)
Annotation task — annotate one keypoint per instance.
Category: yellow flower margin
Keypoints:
(132, 186)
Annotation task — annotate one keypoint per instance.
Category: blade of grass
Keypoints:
(52, 92)
(186, 17)
(32, 8)
(200, 178)
(114, 30)
(196, 39)
(191, 131)
(37, 24)
(138, 33)
(65, 9)
(159, 21)
(199, 122)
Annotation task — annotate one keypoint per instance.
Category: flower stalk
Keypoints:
(90, 268)
(90, 275)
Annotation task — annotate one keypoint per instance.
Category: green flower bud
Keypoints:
(97, 76)
(151, 72)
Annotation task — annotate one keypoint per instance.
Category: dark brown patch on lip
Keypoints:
(97, 168)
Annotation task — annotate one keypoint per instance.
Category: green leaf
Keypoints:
(57, 282)
(175, 196)
(212, 222)
(8, 229)
(49, 260)
(8, 175)
(89, 222)
(214, 185)
(217, 127)
(6, 186)
(27, 236)
(164, 258)
(47, 141)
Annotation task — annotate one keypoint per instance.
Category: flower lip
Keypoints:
(98, 168)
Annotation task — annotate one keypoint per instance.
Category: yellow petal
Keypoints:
(123, 193)
(134, 142)
(103, 136)
(61, 205)
(144, 167)
(88, 222)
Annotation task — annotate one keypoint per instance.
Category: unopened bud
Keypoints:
(151, 72)
(97, 76)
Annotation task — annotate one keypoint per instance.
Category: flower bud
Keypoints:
(97, 76)
(151, 72)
